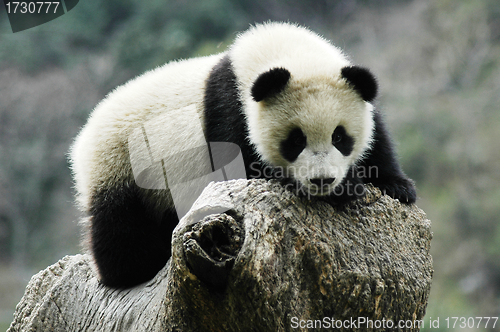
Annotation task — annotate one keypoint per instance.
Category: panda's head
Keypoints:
(312, 129)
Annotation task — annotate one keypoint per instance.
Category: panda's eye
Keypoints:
(298, 138)
(338, 135)
(293, 145)
(342, 141)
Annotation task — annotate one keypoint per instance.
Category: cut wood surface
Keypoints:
(252, 256)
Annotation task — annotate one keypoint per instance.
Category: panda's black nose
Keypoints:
(320, 182)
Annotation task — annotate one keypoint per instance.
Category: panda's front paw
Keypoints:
(402, 189)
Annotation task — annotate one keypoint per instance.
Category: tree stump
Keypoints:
(252, 256)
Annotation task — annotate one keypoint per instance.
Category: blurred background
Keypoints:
(438, 64)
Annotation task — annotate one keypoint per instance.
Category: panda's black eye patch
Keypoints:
(342, 141)
(293, 145)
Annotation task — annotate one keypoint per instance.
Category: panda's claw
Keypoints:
(400, 189)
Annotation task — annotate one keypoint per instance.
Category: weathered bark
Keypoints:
(251, 256)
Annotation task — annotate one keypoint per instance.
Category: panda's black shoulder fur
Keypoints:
(224, 117)
(387, 174)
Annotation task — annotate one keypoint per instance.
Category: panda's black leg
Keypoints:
(129, 244)
(381, 168)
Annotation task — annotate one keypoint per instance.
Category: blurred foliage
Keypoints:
(438, 64)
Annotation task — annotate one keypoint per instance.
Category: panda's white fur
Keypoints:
(318, 96)
(100, 156)
(317, 99)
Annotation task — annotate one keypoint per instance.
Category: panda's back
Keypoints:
(100, 153)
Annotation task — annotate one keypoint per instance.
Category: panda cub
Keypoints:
(292, 103)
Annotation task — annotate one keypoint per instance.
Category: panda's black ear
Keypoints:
(362, 81)
(270, 83)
